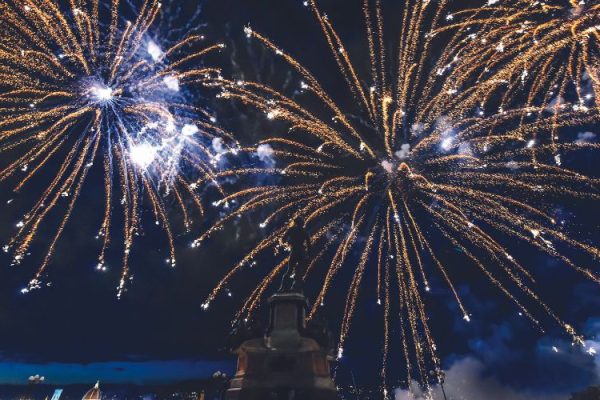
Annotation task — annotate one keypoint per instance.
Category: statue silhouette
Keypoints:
(298, 242)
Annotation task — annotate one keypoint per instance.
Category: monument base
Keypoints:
(284, 364)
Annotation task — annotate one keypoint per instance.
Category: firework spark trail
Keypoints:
(82, 85)
(547, 52)
(426, 168)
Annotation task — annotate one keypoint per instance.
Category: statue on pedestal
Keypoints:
(290, 360)
(298, 241)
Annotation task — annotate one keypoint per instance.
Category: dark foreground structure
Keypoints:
(289, 361)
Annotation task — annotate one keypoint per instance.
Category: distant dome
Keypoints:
(94, 393)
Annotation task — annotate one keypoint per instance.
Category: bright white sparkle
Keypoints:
(170, 126)
(447, 144)
(189, 130)
(143, 154)
(102, 93)
(154, 51)
(172, 83)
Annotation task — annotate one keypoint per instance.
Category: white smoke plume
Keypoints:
(265, 153)
(585, 137)
(404, 151)
(465, 381)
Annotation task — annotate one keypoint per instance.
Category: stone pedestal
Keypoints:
(284, 364)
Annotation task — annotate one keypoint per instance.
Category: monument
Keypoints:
(290, 359)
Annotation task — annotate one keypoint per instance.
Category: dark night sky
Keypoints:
(77, 331)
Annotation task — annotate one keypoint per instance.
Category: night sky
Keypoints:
(76, 331)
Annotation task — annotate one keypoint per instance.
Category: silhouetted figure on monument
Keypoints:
(298, 242)
(290, 360)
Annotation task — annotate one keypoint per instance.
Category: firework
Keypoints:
(538, 53)
(405, 173)
(84, 87)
